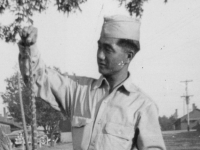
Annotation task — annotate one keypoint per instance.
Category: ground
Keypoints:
(65, 146)
(182, 140)
(174, 140)
(61, 146)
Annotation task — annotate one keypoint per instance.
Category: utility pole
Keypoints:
(183, 107)
(187, 99)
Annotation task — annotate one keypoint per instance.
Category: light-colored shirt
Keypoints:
(123, 119)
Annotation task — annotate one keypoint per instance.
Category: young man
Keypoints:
(110, 113)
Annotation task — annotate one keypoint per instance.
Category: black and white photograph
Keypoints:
(100, 75)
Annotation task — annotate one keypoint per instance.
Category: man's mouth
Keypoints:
(102, 64)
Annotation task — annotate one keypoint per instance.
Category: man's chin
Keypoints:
(104, 72)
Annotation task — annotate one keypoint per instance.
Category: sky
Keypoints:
(169, 52)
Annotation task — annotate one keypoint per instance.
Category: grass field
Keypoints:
(182, 140)
(174, 140)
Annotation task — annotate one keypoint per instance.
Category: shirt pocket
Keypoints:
(80, 121)
(120, 131)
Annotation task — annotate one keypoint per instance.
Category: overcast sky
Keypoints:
(170, 47)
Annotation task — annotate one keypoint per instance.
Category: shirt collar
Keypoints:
(127, 84)
(98, 82)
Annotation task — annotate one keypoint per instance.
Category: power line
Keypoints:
(182, 20)
(177, 49)
(173, 31)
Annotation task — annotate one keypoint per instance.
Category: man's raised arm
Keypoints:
(49, 85)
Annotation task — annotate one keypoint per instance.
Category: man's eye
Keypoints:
(100, 46)
(108, 50)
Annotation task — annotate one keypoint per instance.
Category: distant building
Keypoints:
(175, 115)
(7, 124)
(181, 123)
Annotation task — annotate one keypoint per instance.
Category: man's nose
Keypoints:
(101, 54)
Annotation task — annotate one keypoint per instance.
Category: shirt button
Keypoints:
(119, 132)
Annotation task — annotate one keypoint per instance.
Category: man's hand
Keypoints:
(28, 35)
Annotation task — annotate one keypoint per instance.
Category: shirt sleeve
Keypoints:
(50, 85)
(150, 136)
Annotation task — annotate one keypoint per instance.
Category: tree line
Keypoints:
(167, 123)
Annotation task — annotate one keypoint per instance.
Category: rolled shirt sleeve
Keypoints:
(150, 136)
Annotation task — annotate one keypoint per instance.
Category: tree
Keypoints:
(167, 123)
(47, 117)
(11, 98)
(24, 10)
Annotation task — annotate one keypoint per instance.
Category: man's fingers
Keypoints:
(28, 35)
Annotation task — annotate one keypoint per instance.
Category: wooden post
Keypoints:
(22, 113)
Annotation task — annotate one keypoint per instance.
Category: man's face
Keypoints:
(110, 56)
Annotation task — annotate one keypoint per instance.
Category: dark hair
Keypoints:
(129, 45)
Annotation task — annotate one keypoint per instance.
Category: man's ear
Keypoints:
(130, 56)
